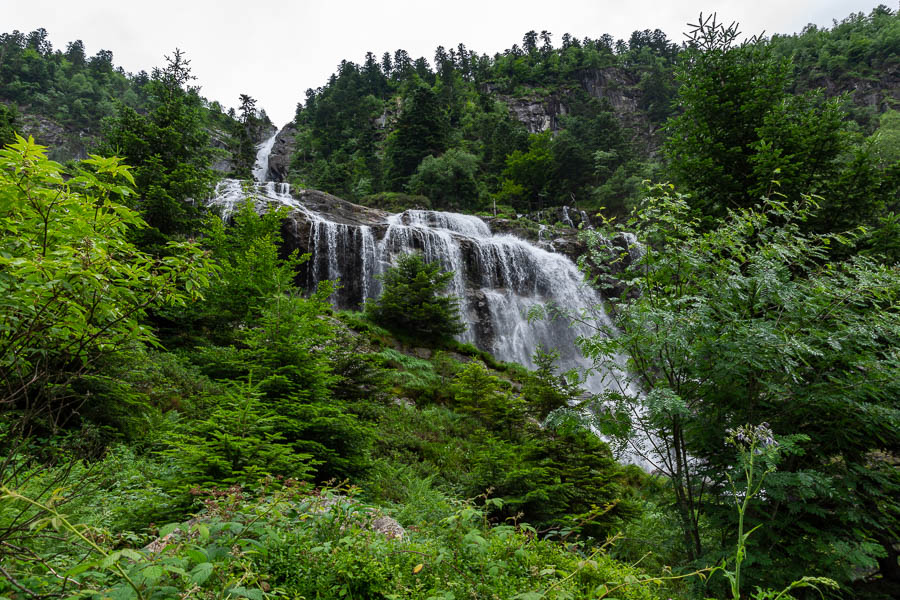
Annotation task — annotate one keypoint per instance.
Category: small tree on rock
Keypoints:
(412, 301)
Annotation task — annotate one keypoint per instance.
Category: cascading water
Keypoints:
(261, 167)
(498, 278)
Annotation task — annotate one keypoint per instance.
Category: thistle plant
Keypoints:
(758, 455)
(755, 444)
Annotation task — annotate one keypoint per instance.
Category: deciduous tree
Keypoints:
(73, 289)
(750, 322)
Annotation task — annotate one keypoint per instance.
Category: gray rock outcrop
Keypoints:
(63, 143)
(280, 158)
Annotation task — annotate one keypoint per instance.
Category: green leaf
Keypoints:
(243, 592)
(81, 568)
(110, 559)
(167, 529)
(197, 555)
(201, 572)
(152, 573)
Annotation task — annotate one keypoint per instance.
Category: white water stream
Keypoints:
(261, 167)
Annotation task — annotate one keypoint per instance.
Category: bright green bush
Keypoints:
(239, 441)
(410, 376)
(296, 543)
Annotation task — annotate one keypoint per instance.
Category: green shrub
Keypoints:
(411, 301)
(395, 201)
(410, 376)
(545, 390)
(239, 442)
(476, 391)
(74, 290)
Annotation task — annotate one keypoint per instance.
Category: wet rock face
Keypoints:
(349, 231)
(483, 325)
(280, 158)
(339, 210)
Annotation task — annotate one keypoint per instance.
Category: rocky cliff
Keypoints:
(540, 111)
(280, 158)
(879, 94)
(63, 143)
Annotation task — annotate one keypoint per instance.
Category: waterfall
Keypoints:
(231, 193)
(498, 278)
(261, 167)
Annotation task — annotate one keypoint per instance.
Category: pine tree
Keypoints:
(413, 303)
(169, 150)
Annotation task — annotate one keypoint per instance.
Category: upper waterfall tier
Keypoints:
(263, 150)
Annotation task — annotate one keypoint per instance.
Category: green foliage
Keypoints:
(288, 355)
(749, 319)
(421, 131)
(74, 289)
(251, 271)
(66, 94)
(8, 124)
(239, 441)
(412, 301)
(296, 543)
(859, 46)
(169, 150)
(396, 202)
(527, 174)
(886, 140)
(250, 126)
(742, 136)
(407, 114)
(448, 180)
(349, 130)
(463, 556)
(75, 90)
(478, 392)
(545, 390)
(413, 377)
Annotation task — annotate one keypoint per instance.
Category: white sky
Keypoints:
(275, 49)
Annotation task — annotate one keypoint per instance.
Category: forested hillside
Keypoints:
(63, 97)
(191, 407)
(554, 120)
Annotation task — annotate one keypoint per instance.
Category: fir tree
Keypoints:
(413, 302)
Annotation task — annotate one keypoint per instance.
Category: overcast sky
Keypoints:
(275, 49)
